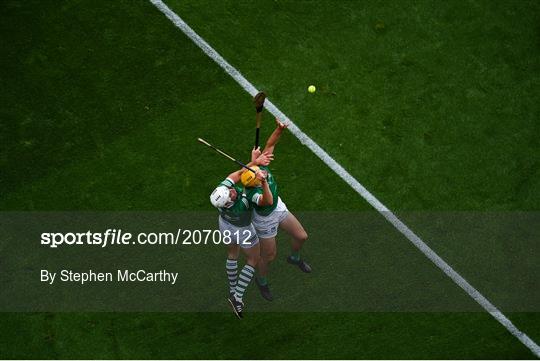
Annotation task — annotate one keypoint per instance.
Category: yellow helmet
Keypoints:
(248, 178)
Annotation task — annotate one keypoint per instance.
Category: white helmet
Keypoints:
(220, 197)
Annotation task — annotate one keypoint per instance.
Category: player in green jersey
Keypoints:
(237, 231)
(267, 219)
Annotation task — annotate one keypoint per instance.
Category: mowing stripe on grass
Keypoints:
(349, 179)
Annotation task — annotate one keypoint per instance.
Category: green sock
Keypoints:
(262, 281)
(295, 255)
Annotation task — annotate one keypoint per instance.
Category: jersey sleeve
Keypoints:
(228, 182)
(254, 194)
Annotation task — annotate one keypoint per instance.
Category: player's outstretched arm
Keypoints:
(257, 158)
(274, 137)
(267, 199)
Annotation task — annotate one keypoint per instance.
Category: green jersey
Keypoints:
(255, 193)
(239, 214)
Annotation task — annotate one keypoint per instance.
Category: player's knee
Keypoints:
(269, 255)
(302, 237)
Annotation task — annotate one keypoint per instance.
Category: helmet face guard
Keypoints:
(229, 203)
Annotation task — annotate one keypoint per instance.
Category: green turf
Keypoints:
(437, 109)
(319, 335)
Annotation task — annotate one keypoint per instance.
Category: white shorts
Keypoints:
(267, 226)
(245, 237)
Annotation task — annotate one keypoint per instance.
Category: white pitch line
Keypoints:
(350, 180)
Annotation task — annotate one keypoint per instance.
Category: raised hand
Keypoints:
(264, 159)
(261, 175)
(280, 124)
(255, 153)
